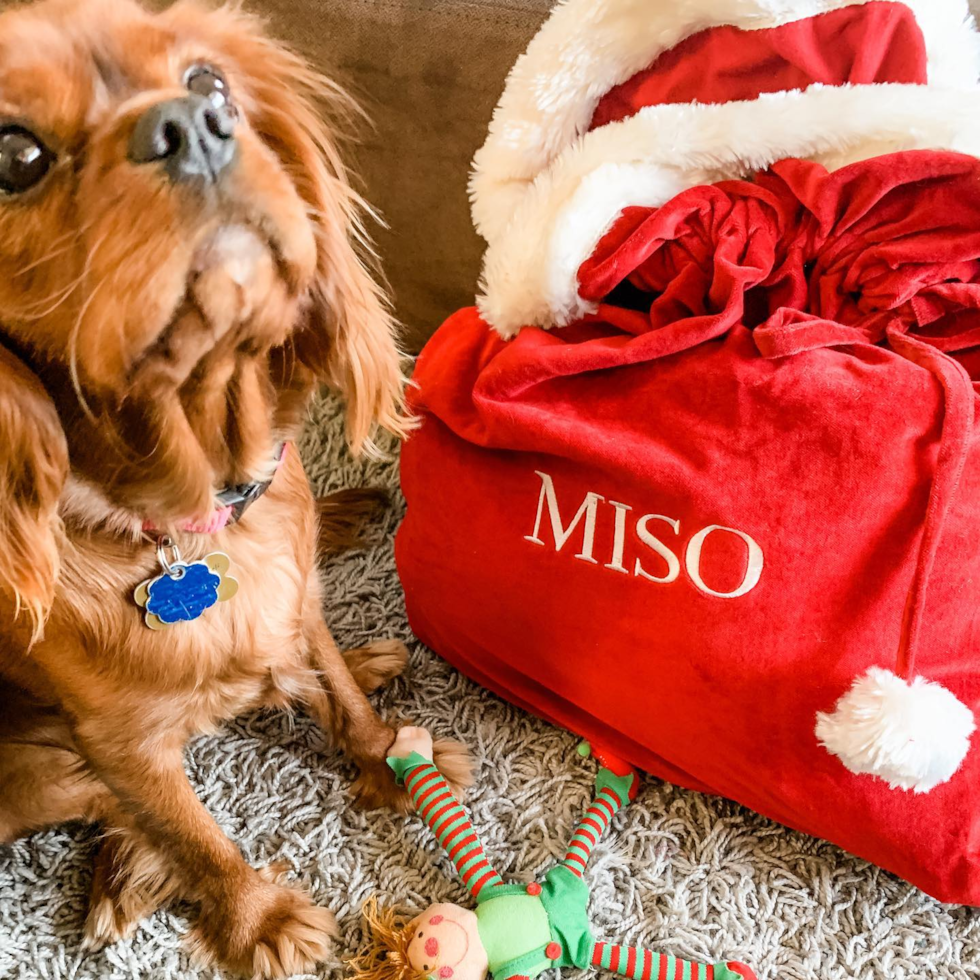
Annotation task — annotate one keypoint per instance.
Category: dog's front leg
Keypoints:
(342, 709)
(249, 922)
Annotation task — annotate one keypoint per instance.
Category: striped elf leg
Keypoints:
(439, 808)
(638, 963)
(611, 796)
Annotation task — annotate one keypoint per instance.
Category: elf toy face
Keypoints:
(446, 944)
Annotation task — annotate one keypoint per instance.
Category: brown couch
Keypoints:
(429, 72)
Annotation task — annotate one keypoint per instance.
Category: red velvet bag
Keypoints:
(700, 478)
(684, 525)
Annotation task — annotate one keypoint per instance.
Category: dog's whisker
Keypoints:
(54, 302)
(47, 257)
(76, 330)
(61, 245)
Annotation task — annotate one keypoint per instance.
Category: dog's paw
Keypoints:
(129, 883)
(270, 932)
(296, 943)
(106, 923)
(375, 786)
(376, 664)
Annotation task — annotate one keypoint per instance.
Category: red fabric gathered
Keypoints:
(894, 238)
(784, 364)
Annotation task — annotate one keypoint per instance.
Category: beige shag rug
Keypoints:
(688, 874)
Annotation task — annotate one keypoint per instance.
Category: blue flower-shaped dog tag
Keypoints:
(186, 591)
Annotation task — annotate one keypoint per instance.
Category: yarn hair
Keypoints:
(386, 955)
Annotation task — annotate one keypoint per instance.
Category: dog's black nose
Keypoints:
(190, 137)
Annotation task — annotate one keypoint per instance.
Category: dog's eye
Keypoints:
(24, 160)
(208, 81)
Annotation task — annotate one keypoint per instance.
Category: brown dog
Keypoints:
(178, 271)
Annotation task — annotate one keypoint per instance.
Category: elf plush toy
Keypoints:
(517, 930)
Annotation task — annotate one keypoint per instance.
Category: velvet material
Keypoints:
(878, 41)
(684, 526)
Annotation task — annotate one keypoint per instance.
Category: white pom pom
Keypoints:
(912, 735)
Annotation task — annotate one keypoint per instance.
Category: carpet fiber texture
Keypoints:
(684, 873)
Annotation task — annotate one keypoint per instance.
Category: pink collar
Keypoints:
(231, 504)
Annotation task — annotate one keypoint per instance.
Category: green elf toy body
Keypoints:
(520, 930)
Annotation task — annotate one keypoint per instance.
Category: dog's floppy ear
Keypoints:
(349, 340)
(33, 468)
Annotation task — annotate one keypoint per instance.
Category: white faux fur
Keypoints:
(912, 735)
(587, 47)
(530, 269)
(544, 194)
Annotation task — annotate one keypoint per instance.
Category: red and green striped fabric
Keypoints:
(438, 807)
(637, 963)
(606, 804)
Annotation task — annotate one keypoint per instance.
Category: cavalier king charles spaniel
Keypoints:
(180, 268)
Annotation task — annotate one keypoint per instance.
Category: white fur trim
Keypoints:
(587, 47)
(912, 735)
(544, 191)
(529, 275)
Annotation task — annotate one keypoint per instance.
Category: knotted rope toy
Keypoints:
(518, 930)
